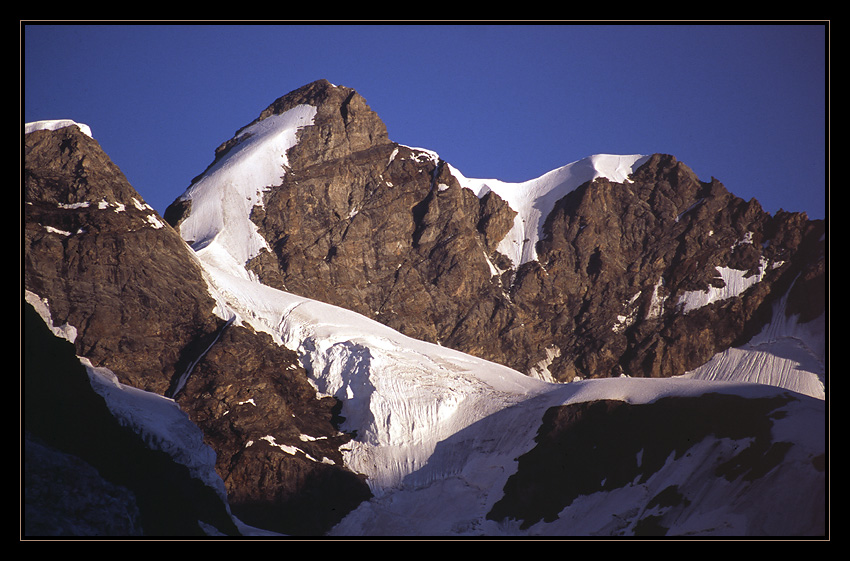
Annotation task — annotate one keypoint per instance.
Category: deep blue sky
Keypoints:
(743, 103)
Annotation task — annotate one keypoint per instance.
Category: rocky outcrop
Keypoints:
(85, 473)
(111, 268)
(717, 442)
(277, 445)
(107, 263)
(387, 231)
(623, 262)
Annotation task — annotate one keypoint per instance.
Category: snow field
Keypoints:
(223, 198)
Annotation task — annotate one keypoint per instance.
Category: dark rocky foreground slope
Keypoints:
(86, 474)
(611, 446)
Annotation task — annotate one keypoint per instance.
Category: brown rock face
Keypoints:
(377, 227)
(110, 267)
(620, 256)
(276, 444)
(387, 231)
(130, 287)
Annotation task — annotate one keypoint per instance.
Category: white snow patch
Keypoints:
(56, 124)
(630, 315)
(71, 206)
(292, 450)
(656, 304)
(154, 221)
(735, 282)
(53, 230)
(65, 331)
(141, 205)
(533, 200)
(787, 354)
(541, 369)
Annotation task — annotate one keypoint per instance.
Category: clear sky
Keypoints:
(746, 104)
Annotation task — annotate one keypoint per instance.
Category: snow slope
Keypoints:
(438, 431)
(533, 200)
(223, 198)
(786, 353)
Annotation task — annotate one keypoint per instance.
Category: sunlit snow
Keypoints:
(223, 198)
(55, 124)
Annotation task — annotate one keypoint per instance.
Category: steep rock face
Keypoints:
(364, 223)
(389, 232)
(639, 270)
(278, 450)
(108, 266)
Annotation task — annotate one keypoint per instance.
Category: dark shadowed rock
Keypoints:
(86, 473)
(601, 447)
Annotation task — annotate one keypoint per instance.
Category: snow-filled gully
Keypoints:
(180, 381)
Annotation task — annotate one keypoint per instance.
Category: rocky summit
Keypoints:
(392, 233)
(332, 333)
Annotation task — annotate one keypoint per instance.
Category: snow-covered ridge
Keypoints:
(533, 200)
(223, 197)
(56, 124)
(735, 283)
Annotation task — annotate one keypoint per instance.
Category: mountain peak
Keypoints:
(315, 93)
(349, 324)
(357, 221)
